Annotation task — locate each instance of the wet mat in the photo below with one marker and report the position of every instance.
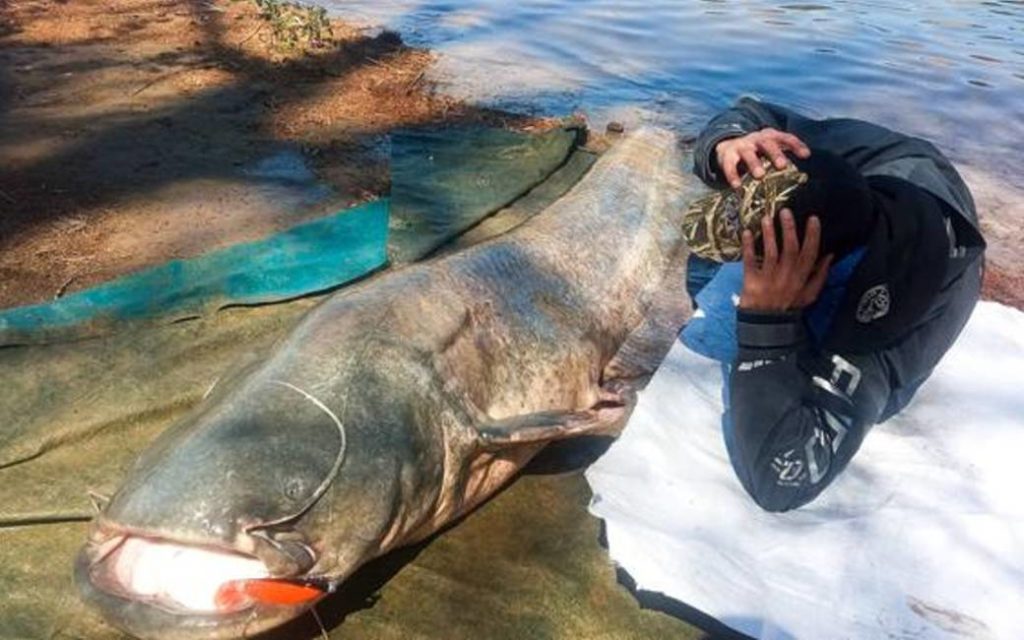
(444, 181)
(74, 416)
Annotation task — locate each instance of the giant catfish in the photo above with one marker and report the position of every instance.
(396, 406)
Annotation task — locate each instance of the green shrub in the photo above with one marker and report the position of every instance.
(295, 24)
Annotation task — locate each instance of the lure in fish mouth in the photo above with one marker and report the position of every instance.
(218, 531)
(153, 587)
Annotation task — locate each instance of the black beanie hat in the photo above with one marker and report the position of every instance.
(840, 196)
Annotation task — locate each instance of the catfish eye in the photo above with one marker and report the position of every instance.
(294, 488)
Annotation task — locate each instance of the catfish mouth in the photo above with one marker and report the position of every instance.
(158, 588)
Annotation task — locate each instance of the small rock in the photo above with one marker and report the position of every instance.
(615, 127)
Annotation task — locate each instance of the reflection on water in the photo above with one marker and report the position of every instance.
(951, 71)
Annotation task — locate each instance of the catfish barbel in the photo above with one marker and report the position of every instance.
(396, 406)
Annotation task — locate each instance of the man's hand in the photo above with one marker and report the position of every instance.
(749, 149)
(788, 281)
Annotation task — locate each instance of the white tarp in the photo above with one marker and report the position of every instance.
(921, 537)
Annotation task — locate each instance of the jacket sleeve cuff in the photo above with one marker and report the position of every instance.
(707, 168)
(768, 335)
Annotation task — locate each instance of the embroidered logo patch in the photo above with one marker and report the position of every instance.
(789, 469)
(874, 304)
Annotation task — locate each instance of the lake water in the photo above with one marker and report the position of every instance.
(950, 71)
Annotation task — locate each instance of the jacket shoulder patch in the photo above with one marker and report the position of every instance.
(874, 304)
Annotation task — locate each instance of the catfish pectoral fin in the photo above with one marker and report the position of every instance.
(546, 426)
(620, 392)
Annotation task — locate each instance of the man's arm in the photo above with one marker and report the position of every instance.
(857, 141)
(745, 117)
(798, 417)
(798, 414)
(795, 420)
(872, 149)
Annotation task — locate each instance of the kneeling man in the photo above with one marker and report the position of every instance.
(861, 262)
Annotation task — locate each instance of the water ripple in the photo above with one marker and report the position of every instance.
(947, 71)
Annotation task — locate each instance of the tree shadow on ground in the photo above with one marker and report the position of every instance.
(113, 155)
(147, 141)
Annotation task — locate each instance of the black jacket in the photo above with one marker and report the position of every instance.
(801, 408)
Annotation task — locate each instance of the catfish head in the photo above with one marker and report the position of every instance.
(246, 513)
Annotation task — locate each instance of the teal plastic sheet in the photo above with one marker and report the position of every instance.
(445, 181)
(307, 258)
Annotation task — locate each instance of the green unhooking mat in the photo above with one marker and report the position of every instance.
(310, 257)
(526, 565)
(444, 181)
(73, 417)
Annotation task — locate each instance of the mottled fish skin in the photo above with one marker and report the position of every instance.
(398, 405)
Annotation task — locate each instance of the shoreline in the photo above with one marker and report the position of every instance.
(155, 130)
(160, 130)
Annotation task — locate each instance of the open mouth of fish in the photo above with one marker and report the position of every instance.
(148, 584)
(191, 579)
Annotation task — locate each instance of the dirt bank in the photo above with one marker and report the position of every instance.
(1001, 209)
(137, 131)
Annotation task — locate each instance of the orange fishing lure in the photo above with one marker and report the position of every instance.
(238, 594)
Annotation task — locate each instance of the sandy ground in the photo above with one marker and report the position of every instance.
(1001, 209)
(137, 131)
